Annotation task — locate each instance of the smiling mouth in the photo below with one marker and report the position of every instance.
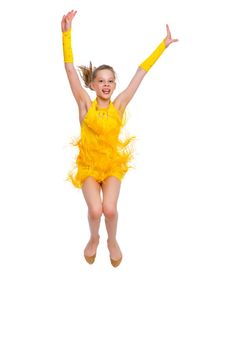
(106, 91)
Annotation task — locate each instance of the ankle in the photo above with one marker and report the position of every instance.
(94, 238)
(112, 241)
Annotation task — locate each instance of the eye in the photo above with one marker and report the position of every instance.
(111, 81)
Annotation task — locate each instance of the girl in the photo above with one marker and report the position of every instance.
(103, 158)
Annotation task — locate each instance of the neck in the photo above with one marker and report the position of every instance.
(102, 103)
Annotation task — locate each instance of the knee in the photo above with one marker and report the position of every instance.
(95, 212)
(109, 211)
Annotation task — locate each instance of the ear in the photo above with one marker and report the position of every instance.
(92, 85)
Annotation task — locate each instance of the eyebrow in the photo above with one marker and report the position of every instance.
(104, 78)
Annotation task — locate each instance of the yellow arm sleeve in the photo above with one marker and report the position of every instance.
(67, 49)
(150, 61)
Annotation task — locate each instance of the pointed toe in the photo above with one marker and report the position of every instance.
(90, 259)
(115, 263)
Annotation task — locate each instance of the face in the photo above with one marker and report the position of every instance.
(104, 84)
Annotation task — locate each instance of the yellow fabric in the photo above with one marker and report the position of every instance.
(150, 61)
(102, 152)
(67, 49)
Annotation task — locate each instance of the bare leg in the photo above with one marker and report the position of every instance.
(111, 189)
(91, 191)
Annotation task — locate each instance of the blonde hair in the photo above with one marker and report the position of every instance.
(88, 73)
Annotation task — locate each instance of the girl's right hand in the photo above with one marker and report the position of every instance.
(66, 20)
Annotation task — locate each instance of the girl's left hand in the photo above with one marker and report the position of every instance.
(168, 40)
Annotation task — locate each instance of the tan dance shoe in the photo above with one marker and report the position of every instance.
(90, 259)
(115, 263)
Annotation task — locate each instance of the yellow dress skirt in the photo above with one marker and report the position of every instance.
(102, 152)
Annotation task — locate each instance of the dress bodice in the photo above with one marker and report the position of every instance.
(102, 121)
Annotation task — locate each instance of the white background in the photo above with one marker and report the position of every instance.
(183, 212)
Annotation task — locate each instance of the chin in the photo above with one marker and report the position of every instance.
(106, 97)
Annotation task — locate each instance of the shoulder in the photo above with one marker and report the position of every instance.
(117, 103)
(83, 109)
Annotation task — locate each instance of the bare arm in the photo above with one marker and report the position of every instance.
(125, 97)
(122, 100)
(81, 96)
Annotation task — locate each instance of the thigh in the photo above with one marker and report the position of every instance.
(111, 189)
(92, 192)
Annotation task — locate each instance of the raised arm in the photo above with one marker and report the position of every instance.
(81, 96)
(125, 97)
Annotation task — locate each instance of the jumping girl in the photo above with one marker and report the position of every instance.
(103, 158)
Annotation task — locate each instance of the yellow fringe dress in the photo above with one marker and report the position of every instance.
(101, 151)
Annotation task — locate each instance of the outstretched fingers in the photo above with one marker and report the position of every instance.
(168, 31)
(169, 39)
